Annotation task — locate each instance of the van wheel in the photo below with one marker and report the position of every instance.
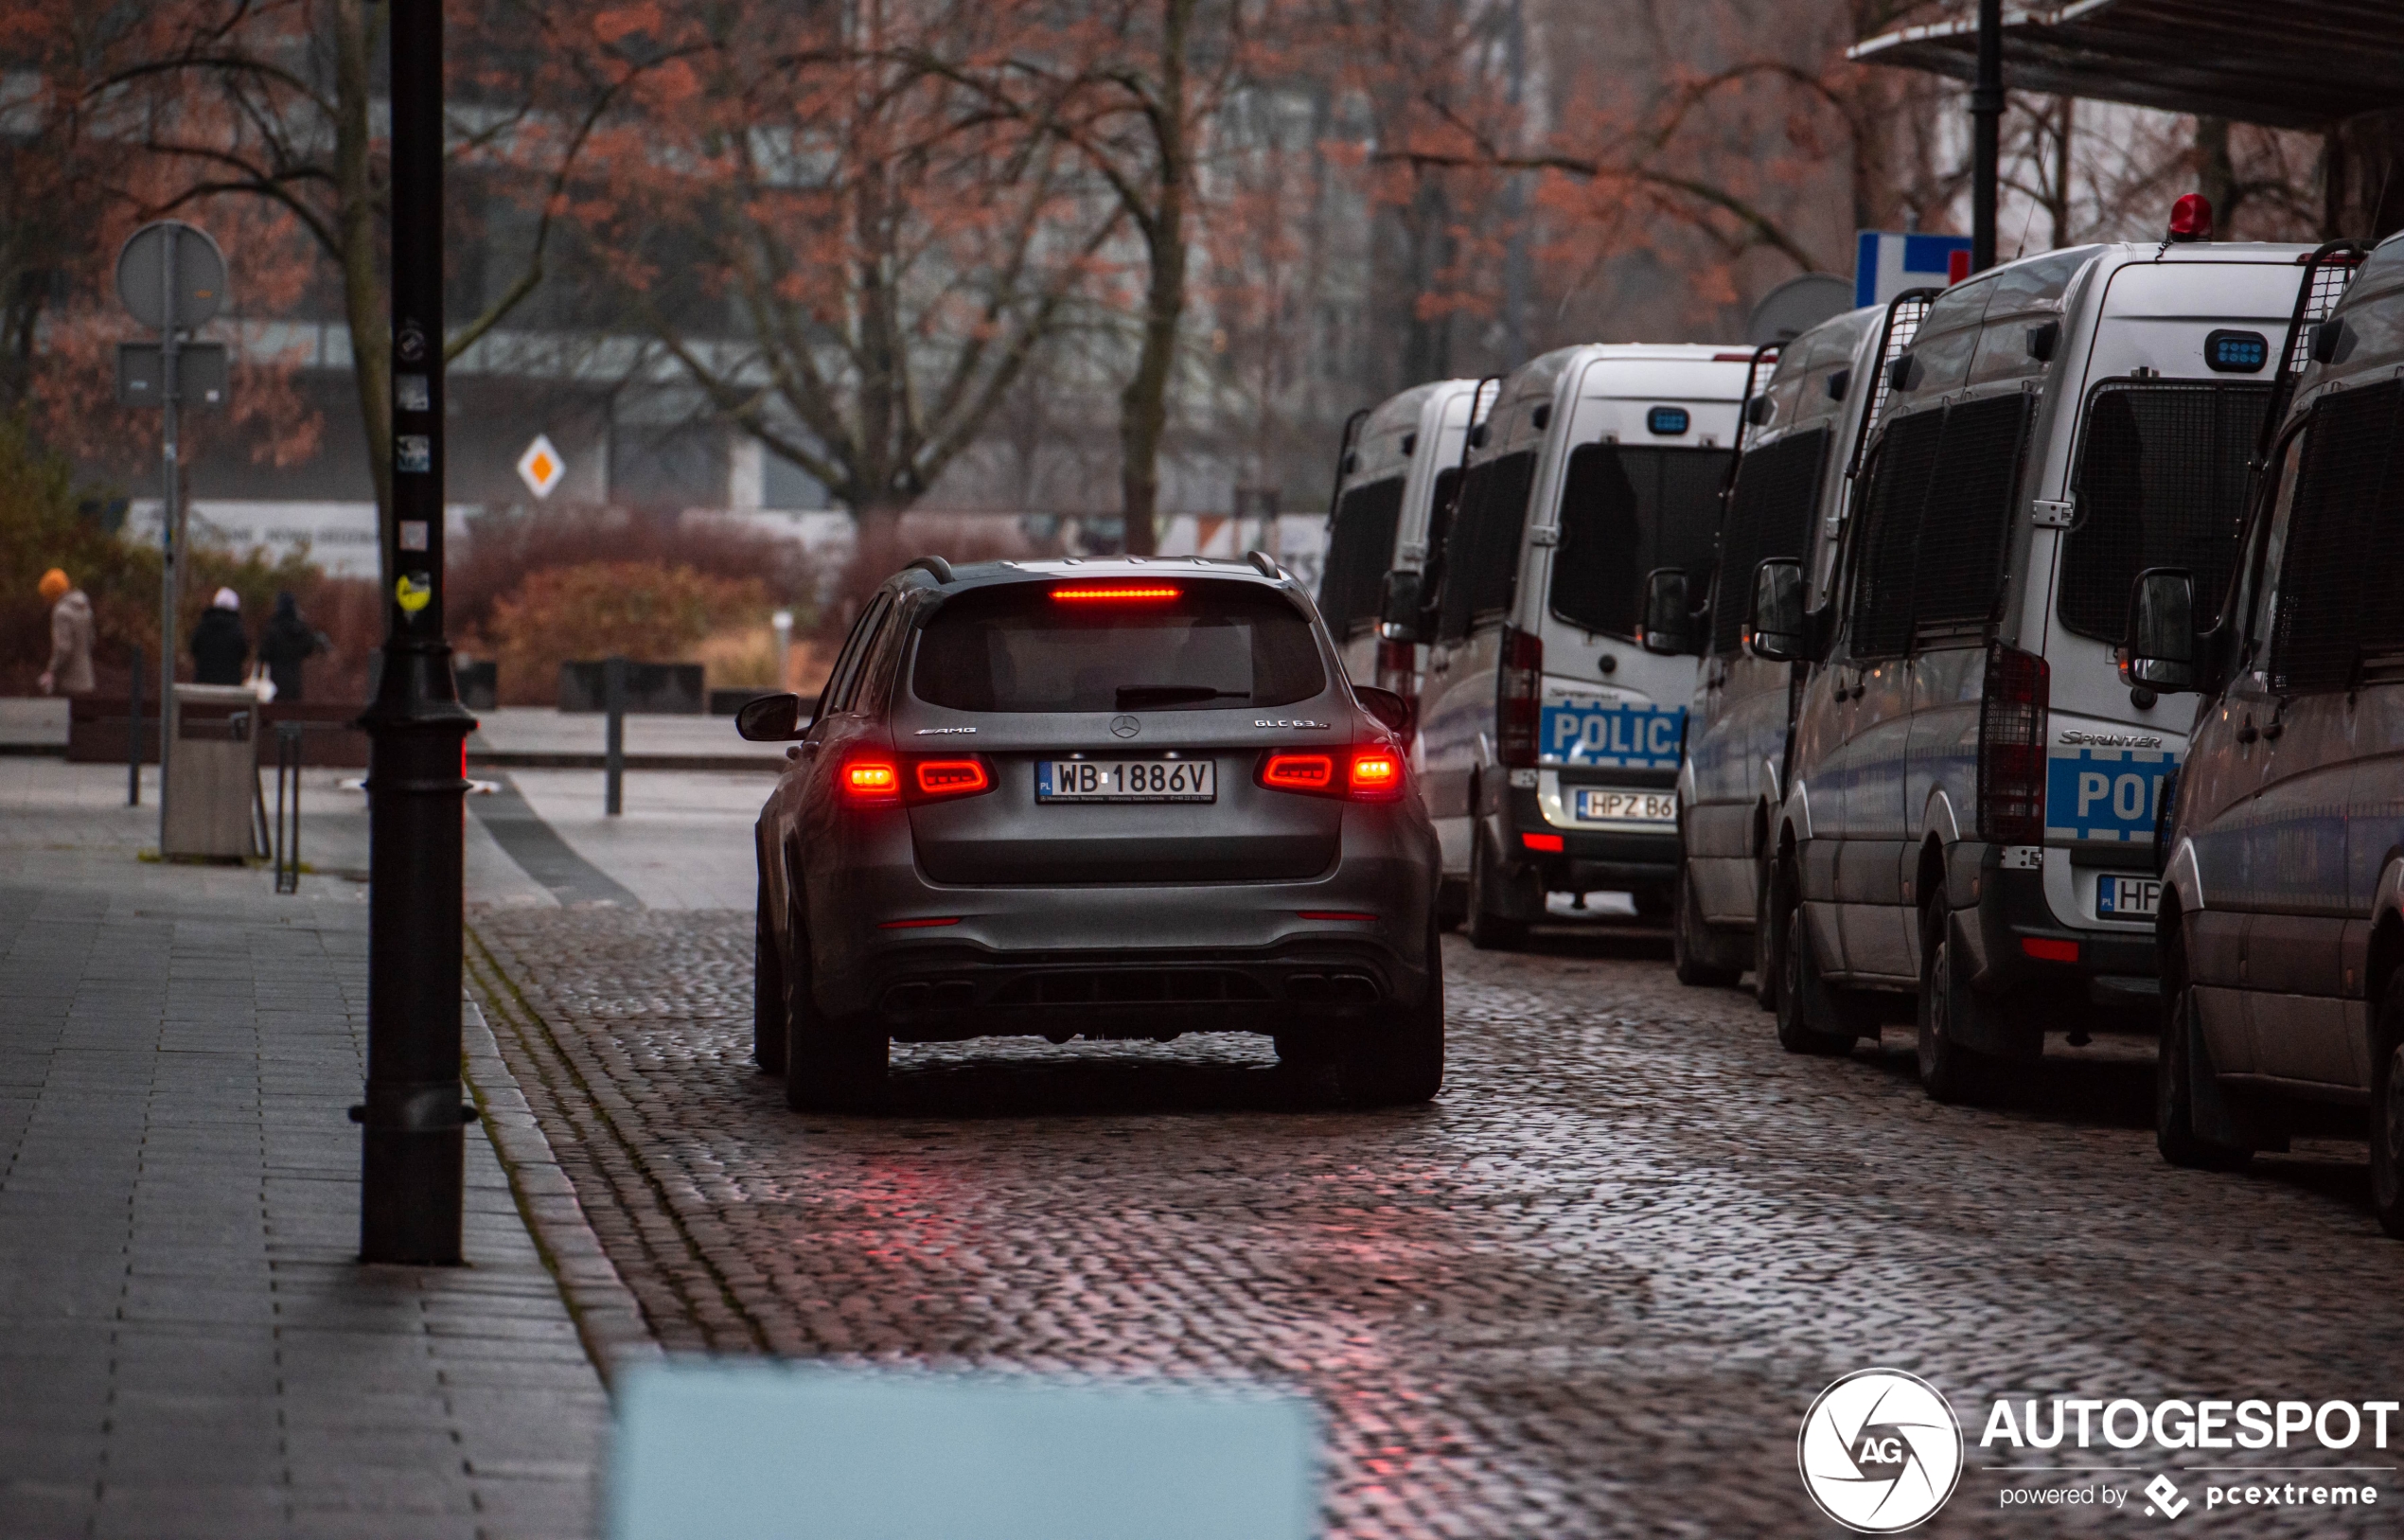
(1948, 1071)
(2387, 1111)
(768, 994)
(1807, 1018)
(1766, 964)
(1488, 930)
(830, 1065)
(1691, 945)
(2174, 1130)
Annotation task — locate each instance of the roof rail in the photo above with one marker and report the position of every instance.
(936, 565)
(1265, 562)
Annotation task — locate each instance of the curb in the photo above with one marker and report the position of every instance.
(607, 1318)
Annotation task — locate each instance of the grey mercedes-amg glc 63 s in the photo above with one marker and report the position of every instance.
(1114, 798)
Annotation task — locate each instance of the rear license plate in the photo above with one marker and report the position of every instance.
(1126, 780)
(1643, 807)
(2128, 898)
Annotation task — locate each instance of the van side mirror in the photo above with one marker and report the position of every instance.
(771, 719)
(1392, 711)
(1776, 629)
(2159, 650)
(1398, 606)
(1668, 627)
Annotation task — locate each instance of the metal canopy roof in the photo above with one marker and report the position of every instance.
(2300, 64)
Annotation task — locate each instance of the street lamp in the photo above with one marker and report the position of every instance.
(783, 621)
(413, 1119)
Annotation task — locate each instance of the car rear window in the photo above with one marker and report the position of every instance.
(2163, 476)
(1624, 512)
(1025, 648)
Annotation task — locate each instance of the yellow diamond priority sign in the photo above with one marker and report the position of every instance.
(542, 466)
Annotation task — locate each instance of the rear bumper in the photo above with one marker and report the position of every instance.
(2003, 912)
(1641, 862)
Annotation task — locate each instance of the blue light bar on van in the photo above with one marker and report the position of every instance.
(1667, 420)
(2236, 352)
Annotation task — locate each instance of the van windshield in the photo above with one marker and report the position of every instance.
(2163, 481)
(1624, 511)
(1213, 646)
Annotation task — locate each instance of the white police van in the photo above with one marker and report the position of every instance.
(1550, 739)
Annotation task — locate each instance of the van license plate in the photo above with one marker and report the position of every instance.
(2128, 898)
(1126, 780)
(1643, 807)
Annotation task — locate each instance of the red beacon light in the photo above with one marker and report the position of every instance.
(2191, 219)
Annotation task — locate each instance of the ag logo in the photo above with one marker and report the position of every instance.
(1880, 1451)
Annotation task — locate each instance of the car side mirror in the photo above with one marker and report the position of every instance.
(1668, 618)
(1398, 606)
(1389, 709)
(771, 718)
(1776, 629)
(2159, 650)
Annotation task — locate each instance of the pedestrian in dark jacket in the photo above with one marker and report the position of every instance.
(288, 641)
(219, 647)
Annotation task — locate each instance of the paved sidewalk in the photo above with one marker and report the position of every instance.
(190, 1348)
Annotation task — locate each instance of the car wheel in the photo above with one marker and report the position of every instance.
(830, 1065)
(1766, 964)
(1807, 1019)
(1400, 1061)
(2387, 1111)
(1949, 1072)
(767, 993)
(2174, 1130)
(1488, 930)
(1690, 943)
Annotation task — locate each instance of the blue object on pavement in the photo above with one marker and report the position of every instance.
(770, 1451)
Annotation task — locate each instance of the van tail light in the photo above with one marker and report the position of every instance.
(2011, 747)
(870, 780)
(1373, 773)
(936, 778)
(1519, 696)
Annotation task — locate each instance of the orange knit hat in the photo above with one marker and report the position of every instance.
(54, 583)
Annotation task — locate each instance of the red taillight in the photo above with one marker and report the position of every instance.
(2050, 952)
(2191, 218)
(931, 778)
(2011, 747)
(1519, 696)
(1368, 774)
(1376, 775)
(1298, 772)
(1117, 593)
(870, 780)
(1542, 841)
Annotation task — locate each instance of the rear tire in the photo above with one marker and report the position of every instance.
(1766, 964)
(2174, 1128)
(1948, 1071)
(767, 995)
(1488, 930)
(1807, 1018)
(2387, 1111)
(830, 1065)
(1692, 944)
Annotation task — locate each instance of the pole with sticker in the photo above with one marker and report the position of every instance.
(414, 1116)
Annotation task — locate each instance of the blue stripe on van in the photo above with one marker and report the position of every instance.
(1627, 734)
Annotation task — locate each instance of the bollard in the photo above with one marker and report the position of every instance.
(613, 701)
(134, 736)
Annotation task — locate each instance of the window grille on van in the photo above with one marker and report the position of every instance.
(1625, 511)
(1936, 512)
(2326, 273)
(2163, 478)
(1905, 314)
(1359, 554)
(2338, 602)
(1482, 551)
(1769, 515)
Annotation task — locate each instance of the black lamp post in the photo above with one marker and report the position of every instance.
(410, 1176)
(1986, 134)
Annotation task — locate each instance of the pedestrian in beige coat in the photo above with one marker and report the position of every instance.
(70, 669)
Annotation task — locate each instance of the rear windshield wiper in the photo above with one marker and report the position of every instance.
(1173, 695)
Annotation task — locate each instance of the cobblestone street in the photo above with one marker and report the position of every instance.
(1590, 1291)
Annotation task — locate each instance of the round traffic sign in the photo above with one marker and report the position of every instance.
(197, 287)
